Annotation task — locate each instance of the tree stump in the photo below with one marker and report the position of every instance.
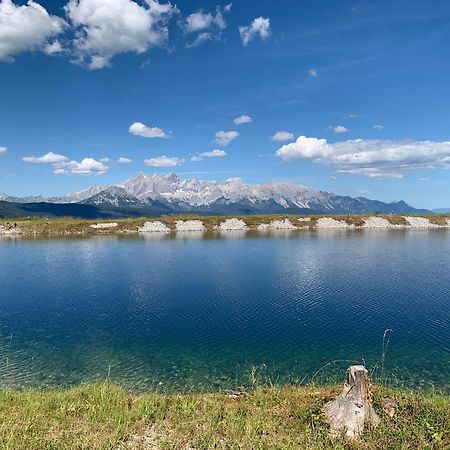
(352, 408)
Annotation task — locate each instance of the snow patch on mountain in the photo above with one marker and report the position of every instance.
(172, 194)
(203, 193)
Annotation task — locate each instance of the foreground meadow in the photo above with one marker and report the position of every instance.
(106, 417)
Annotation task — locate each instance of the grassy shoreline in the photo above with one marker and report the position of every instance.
(105, 416)
(66, 226)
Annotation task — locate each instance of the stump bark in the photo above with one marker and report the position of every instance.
(352, 408)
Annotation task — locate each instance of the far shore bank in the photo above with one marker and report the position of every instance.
(66, 226)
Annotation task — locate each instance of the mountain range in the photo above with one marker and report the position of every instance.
(153, 195)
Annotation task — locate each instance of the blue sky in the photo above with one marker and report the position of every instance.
(359, 89)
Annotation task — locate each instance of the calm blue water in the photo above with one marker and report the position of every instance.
(196, 314)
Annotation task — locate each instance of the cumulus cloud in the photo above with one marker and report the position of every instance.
(48, 158)
(163, 161)
(241, 120)
(225, 137)
(63, 166)
(338, 129)
(260, 27)
(208, 25)
(3, 150)
(373, 158)
(123, 160)
(27, 28)
(212, 154)
(139, 129)
(378, 127)
(280, 136)
(54, 48)
(105, 28)
(87, 166)
(201, 39)
(312, 73)
(200, 20)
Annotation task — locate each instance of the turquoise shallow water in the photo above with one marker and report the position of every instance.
(196, 314)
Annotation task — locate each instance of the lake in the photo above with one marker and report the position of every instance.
(193, 313)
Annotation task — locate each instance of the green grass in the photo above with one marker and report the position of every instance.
(67, 226)
(106, 417)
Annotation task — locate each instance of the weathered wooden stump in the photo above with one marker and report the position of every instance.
(352, 408)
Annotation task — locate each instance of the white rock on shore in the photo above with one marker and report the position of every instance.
(377, 222)
(285, 224)
(329, 223)
(8, 232)
(420, 222)
(233, 225)
(104, 226)
(154, 227)
(190, 225)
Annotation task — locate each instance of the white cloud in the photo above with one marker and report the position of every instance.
(280, 136)
(312, 73)
(378, 127)
(424, 179)
(201, 39)
(373, 158)
(338, 129)
(87, 166)
(53, 49)
(26, 28)
(242, 120)
(200, 20)
(63, 166)
(163, 161)
(3, 150)
(260, 27)
(371, 172)
(105, 28)
(225, 137)
(208, 25)
(48, 158)
(123, 160)
(139, 129)
(212, 154)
